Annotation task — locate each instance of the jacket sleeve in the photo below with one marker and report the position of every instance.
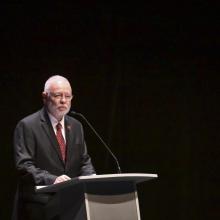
(24, 153)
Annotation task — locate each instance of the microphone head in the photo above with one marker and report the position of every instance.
(73, 112)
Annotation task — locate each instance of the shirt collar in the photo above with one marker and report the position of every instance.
(54, 121)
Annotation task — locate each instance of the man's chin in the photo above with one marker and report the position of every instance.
(62, 113)
(59, 114)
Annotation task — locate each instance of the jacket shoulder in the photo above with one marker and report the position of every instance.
(32, 118)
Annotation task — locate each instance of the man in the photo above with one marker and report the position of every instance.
(49, 148)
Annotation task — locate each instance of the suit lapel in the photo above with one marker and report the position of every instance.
(69, 139)
(46, 124)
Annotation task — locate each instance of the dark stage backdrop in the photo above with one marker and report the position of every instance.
(145, 77)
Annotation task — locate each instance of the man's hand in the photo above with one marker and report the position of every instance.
(61, 178)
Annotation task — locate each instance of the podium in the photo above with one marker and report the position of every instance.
(96, 197)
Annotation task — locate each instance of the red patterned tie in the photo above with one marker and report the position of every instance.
(61, 141)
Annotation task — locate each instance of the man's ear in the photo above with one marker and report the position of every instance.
(44, 96)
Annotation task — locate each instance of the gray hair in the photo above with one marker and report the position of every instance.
(52, 79)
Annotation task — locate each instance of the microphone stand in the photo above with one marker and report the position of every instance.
(99, 137)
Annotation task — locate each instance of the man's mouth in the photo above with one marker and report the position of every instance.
(62, 108)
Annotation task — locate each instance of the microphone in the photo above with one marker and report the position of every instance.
(99, 137)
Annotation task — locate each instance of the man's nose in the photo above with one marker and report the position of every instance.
(63, 98)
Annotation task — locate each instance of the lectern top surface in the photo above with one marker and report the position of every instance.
(132, 177)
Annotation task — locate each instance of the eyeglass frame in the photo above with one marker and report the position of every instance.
(59, 96)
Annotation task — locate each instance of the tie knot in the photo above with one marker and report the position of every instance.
(58, 126)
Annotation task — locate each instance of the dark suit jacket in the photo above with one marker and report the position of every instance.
(37, 154)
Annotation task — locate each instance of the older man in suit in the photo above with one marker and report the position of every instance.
(49, 148)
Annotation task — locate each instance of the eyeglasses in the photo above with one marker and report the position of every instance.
(59, 96)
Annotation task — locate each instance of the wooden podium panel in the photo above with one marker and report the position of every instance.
(112, 201)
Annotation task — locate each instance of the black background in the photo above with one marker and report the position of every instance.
(145, 75)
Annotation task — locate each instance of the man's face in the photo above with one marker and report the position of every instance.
(58, 99)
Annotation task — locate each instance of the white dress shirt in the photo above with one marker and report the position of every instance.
(54, 123)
